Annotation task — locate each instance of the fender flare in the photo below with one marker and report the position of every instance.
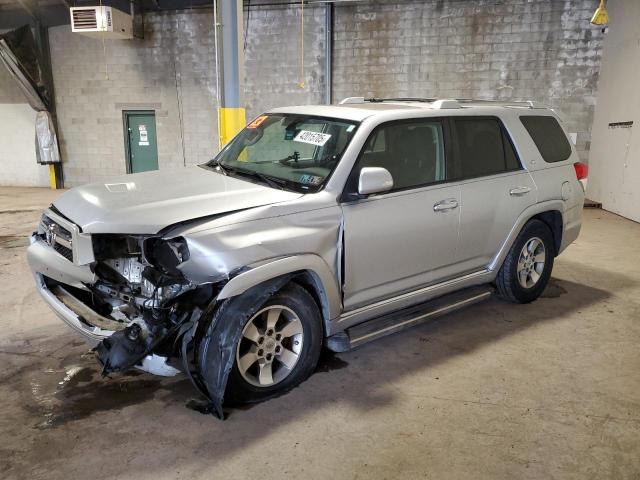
(524, 217)
(324, 279)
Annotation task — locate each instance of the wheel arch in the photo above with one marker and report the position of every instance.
(553, 220)
(549, 212)
(308, 270)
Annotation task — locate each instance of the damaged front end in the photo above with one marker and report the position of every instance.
(140, 286)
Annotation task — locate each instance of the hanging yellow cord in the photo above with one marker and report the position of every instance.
(301, 84)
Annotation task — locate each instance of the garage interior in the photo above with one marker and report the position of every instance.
(545, 390)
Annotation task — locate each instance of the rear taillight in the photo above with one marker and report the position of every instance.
(582, 170)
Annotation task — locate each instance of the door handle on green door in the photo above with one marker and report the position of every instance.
(443, 205)
(519, 191)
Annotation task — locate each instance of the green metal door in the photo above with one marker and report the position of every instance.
(142, 147)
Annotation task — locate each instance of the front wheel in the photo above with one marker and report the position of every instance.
(526, 270)
(279, 347)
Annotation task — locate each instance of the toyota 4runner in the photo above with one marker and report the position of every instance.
(315, 225)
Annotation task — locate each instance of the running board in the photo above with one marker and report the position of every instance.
(396, 321)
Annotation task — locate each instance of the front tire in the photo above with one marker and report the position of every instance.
(527, 268)
(278, 349)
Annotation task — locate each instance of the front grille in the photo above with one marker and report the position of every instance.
(64, 251)
(57, 237)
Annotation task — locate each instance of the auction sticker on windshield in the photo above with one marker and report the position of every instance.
(314, 138)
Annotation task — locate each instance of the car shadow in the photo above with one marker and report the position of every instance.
(353, 378)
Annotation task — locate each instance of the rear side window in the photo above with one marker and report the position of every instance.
(548, 136)
(483, 148)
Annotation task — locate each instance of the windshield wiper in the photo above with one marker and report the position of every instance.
(272, 182)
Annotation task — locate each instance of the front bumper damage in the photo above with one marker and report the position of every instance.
(91, 325)
(135, 313)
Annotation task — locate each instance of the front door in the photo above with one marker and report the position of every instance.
(397, 241)
(140, 135)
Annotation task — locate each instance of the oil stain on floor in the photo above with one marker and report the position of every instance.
(54, 391)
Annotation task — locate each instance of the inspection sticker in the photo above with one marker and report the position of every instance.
(257, 121)
(314, 138)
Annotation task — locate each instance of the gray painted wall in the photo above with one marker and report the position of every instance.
(9, 90)
(543, 50)
(17, 138)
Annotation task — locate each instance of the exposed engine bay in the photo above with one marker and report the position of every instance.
(140, 286)
(140, 295)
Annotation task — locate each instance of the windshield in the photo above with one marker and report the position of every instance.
(296, 152)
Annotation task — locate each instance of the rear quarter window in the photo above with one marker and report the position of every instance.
(548, 136)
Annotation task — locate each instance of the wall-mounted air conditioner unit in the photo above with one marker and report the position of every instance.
(107, 22)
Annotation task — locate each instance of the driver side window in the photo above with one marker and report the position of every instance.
(412, 151)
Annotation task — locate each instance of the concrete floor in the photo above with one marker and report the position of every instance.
(546, 390)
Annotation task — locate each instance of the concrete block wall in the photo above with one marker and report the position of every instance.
(170, 71)
(510, 49)
(543, 50)
(273, 57)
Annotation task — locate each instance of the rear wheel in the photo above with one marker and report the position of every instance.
(526, 270)
(279, 347)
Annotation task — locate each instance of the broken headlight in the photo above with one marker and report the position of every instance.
(167, 255)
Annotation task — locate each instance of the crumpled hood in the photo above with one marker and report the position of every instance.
(145, 203)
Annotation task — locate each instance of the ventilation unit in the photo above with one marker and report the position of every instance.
(101, 22)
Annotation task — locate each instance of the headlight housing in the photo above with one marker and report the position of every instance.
(166, 255)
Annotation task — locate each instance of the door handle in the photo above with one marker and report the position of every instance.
(519, 191)
(443, 205)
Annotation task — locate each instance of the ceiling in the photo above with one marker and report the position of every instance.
(15, 13)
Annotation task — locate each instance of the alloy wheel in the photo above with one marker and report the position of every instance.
(270, 346)
(531, 262)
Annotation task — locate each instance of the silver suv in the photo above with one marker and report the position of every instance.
(315, 225)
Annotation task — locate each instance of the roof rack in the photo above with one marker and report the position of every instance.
(448, 103)
(504, 103)
(381, 100)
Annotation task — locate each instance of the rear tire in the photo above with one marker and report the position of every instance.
(527, 268)
(279, 348)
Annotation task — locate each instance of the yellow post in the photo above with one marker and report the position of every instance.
(53, 181)
(232, 120)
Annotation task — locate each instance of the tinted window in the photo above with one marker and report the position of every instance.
(483, 148)
(413, 152)
(548, 136)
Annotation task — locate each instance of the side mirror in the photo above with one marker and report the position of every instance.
(374, 180)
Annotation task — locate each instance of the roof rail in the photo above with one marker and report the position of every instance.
(449, 103)
(445, 104)
(504, 103)
(351, 100)
(381, 100)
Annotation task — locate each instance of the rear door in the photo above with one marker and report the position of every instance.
(495, 189)
(402, 239)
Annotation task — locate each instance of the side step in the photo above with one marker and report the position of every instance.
(396, 321)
